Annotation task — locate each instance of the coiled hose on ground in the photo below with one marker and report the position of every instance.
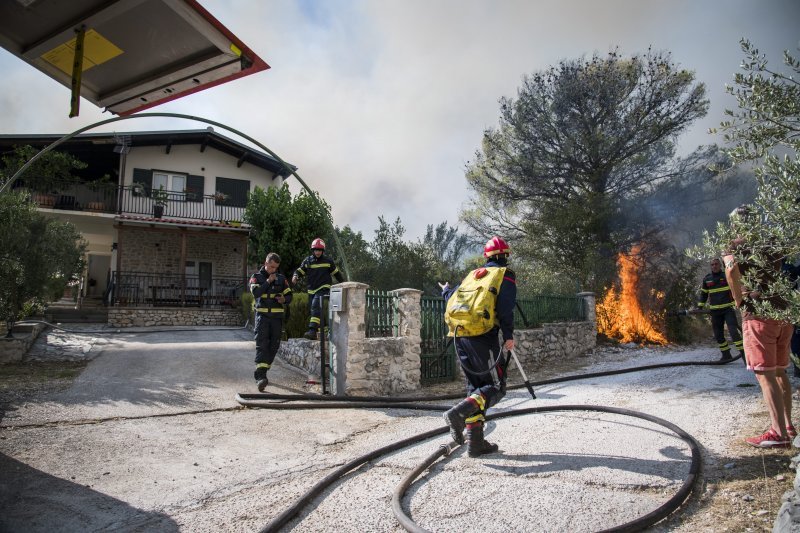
(316, 401)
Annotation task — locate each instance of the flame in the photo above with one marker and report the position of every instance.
(619, 315)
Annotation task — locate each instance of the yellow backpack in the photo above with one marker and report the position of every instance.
(471, 308)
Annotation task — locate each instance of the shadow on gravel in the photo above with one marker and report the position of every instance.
(33, 501)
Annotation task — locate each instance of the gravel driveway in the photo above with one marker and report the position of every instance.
(150, 438)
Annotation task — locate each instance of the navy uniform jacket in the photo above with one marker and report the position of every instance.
(265, 292)
(714, 293)
(318, 272)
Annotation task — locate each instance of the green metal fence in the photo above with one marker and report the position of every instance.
(541, 309)
(438, 360)
(381, 315)
(437, 363)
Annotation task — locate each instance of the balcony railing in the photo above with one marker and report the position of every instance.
(147, 289)
(115, 199)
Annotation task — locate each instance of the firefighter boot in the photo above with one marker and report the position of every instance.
(477, 445)
(261, 378)
(311, 335)
(726, 356)
(456, 416)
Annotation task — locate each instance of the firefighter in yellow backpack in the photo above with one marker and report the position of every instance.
(477, 311)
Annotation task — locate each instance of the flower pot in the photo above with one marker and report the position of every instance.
(158, 210)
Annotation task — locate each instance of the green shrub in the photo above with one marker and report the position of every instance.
(247, 307)
(297, 323)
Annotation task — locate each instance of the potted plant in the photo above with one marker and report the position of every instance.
(220, 197)
(137, 188)
(160, 199)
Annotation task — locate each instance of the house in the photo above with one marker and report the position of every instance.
(162, 213)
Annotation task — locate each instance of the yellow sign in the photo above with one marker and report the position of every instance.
(96, 51)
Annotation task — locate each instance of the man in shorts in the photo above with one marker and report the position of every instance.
(766, 343)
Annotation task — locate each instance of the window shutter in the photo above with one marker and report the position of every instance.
(145, 177)
(194, 188)
(235, 190)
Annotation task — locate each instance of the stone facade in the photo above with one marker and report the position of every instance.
(124, 317)
(148, 250)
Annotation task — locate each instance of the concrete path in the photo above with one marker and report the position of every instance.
(150, 438)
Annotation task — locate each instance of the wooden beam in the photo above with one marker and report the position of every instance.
(240, 162)
(168, 147)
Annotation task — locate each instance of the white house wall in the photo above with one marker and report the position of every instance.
(188, 159)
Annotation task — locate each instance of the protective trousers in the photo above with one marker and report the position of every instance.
(267, 334)
(477, 356)
(718, 322)
(315, 308)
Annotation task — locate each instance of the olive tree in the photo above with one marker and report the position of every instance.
(39, 255)
(764, 132)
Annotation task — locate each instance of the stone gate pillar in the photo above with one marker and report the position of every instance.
(589, 306)
(348, 327)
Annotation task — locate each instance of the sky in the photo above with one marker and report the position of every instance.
(382, 103)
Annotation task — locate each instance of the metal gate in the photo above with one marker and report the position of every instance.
(437, 364)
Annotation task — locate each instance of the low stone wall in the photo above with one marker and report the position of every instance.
(383, 366)
(789, 514)
(124, 317)
(535, 346)
(302, 353)
(13, 350)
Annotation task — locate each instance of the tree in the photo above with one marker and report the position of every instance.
(45, 173)
(443, 249)
(397, 264)
(580, 140)
(39, 255)
(286, 225)
(765, 131)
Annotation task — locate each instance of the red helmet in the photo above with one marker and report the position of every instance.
(318, 244)
(496, 246)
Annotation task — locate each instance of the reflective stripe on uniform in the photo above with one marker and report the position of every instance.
(320, 265)
(475, 418)
(721, 306)
(269, 309)
(480, 400)
(319, 288)
(718, 289)
(313, 320)
(263, 365)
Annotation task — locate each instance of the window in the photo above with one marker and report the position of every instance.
(174, 183)
(235, 191)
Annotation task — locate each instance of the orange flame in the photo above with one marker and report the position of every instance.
(620, 316)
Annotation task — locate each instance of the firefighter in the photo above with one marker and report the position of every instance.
(271, 291)
(318, 268)
(715, 295)
(481, 359)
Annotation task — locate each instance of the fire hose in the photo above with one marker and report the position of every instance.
(311, 401)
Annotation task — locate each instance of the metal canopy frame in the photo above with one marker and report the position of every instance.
(136, 54)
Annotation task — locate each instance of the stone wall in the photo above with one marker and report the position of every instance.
(123, 317)
(14, 349)
(385, 366)
(147, 250)
(552, 341)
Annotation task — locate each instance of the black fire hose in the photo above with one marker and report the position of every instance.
(636, 525)
(268, 399)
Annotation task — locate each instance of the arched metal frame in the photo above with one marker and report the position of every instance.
(286, 166)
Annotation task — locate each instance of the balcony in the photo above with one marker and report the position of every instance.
(135, 201)
(146, 289)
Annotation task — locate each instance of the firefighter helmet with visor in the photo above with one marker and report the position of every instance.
(318, 244)
(496, 246)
